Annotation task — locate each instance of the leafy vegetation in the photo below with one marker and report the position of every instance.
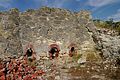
(109, 24)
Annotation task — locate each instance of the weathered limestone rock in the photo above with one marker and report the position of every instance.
(108, 43)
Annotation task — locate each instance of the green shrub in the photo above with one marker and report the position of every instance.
(110, 24)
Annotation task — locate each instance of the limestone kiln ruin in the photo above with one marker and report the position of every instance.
(44, 27)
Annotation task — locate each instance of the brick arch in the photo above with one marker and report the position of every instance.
(72, 49)
(29, 51)
(54, 50)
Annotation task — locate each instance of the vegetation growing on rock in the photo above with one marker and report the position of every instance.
(109, 24)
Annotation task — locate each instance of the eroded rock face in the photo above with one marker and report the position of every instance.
(47, 26)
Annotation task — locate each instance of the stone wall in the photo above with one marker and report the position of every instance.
(46, 26)
(10, 42)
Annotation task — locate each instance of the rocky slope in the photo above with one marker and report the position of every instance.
(108, 42)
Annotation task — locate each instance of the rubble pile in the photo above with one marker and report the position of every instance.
(108, 42)
(19, 68)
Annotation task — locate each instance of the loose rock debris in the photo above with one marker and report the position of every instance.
(56, 68)
(22, 68)
(19, 69)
